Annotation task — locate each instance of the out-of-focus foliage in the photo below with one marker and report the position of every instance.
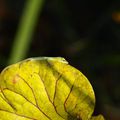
(85, 32)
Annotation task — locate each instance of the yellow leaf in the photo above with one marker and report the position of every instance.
(99, 117)
(45, 88)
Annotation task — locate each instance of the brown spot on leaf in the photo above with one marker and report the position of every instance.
(15, 79)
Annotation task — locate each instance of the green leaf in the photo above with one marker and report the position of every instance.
(45, 89)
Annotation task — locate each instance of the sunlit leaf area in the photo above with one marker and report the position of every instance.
(45, 88)
(84, 32)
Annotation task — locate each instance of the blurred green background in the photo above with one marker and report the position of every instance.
(85, 32)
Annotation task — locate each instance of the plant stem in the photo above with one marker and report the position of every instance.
(25, 30)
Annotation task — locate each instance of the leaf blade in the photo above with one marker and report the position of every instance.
(48, 89)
